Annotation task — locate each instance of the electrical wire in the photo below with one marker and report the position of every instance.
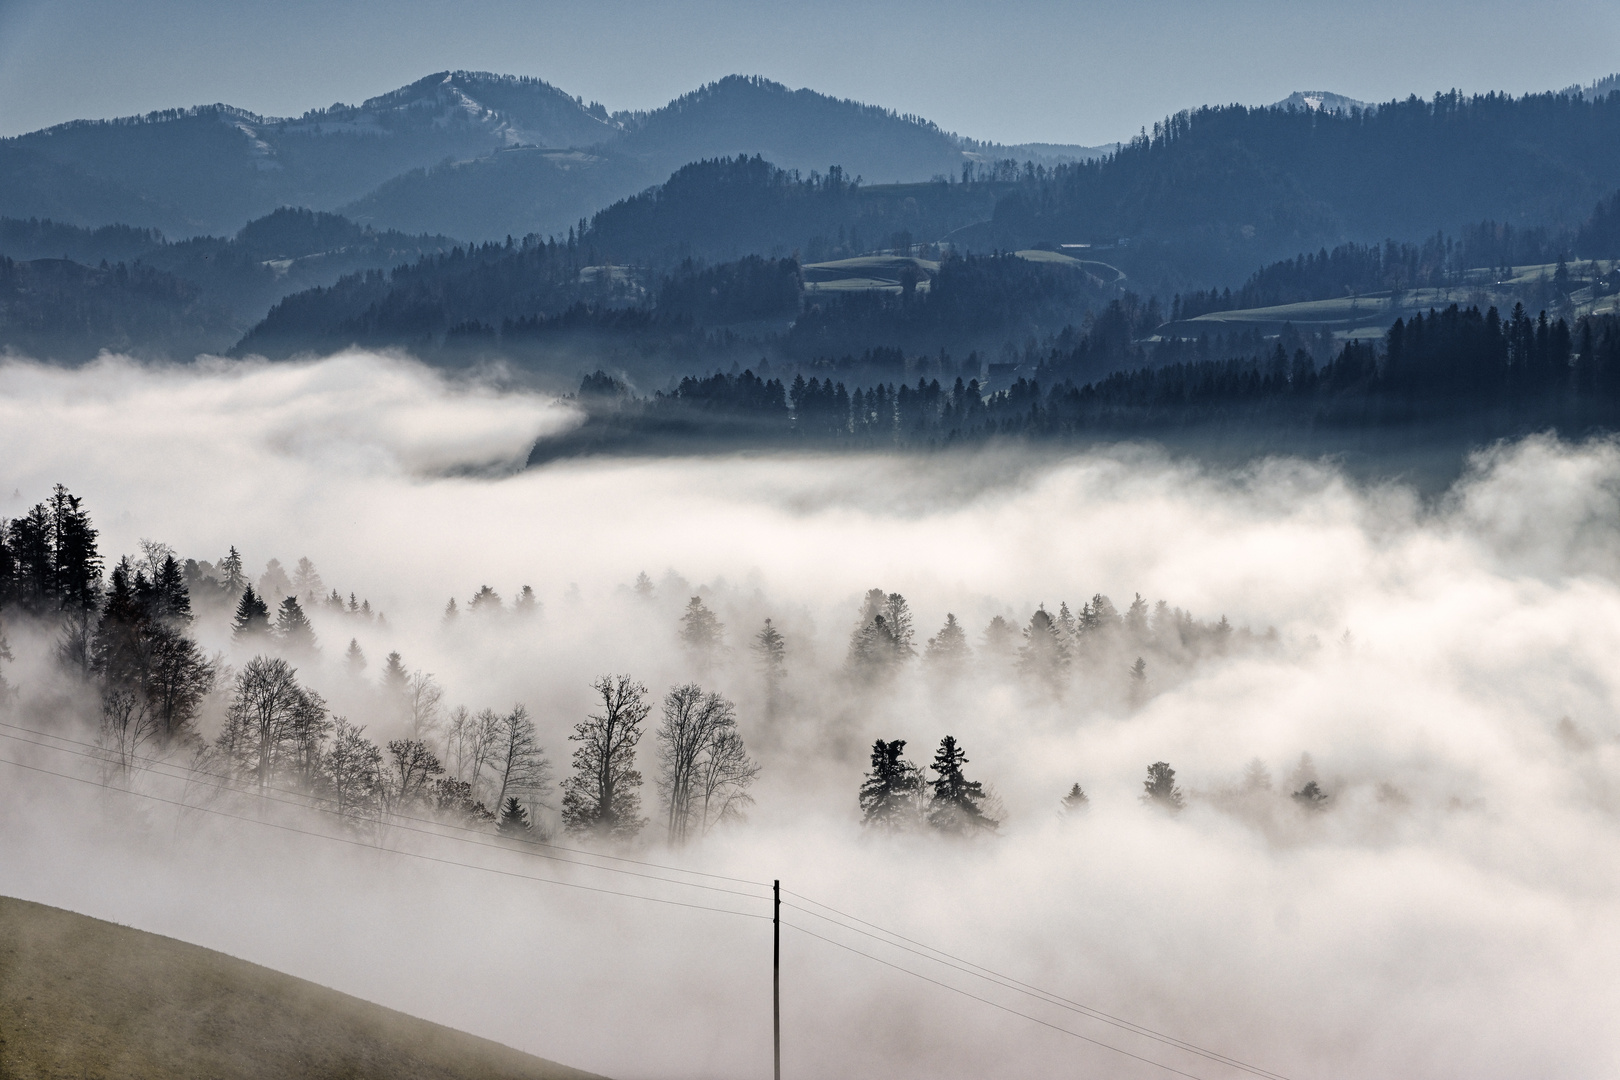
(355, 842)
(185, 772)
(995, 1004)
(957, 963)
(922, 950)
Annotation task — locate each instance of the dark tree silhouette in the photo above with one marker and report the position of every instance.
(514, 819)
(602, 797)
(1159, 789)
(956, 803)
(252, 622)
(889, 794)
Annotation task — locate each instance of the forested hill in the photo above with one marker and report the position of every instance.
(72, 292)
(1267, 182)
(1453, 378)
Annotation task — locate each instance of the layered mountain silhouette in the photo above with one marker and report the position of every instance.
(469, 154)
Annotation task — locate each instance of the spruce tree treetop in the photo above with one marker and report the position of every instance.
(252, 619)
(514, 818)
(889, 794)
(293, 628)
(1159, 789)
(956, 805)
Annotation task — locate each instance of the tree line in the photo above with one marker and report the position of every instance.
(1502, 374)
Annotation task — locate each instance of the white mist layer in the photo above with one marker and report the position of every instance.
(1453, 911)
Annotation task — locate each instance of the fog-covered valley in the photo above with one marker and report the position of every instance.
(1440, 668)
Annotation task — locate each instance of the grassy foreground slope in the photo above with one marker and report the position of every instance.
(82, 998)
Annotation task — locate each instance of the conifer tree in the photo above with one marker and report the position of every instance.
(526, 605)
(395, 679)
(701, 631)
(1076, 800)
(1044, 654)
(949, 647)
(514, 819)
(306, 581)
(1159, 789)
(890, 792)
(770, 647)
(354, 660)
(956, 803)
(252, 622)
(297, 636)
(450, 612)
(232, 579)
(171, 598)
(486, 601)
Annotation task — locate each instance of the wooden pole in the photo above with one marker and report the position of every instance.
(776, 972)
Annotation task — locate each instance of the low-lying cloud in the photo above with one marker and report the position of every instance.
(1447, 665)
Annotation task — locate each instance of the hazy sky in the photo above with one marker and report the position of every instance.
(1018, 70)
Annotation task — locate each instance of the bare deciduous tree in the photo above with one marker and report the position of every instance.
(517, 760)
(603, 794)
(703, 769)
(270, 719)
(353, 772)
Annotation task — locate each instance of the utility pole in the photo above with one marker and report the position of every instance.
(776, 972)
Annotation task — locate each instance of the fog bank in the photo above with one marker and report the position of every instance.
(1447, 665)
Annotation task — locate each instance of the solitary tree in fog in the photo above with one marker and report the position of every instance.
(354, 660)
(395, 679)
(1138, 681)
(486, 601)
(514, 820)
(948, 648)
(955, 804)
(525, 605)
(1311, 796)
(1000, 637)
(1076, 800)
(252, 621)
(1159, 789)
(770, 647)
(423, 697)
(701, 631)
(293, 629)
(1044, 654)
(517, 759)
(703, 770)
(603, 794)
(890, 791)
(306, 582)
(232, 579)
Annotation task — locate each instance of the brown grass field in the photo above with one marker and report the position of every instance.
(83, 999)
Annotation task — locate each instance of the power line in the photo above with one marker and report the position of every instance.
(301, 800)
(353, 842)
(956, 963)
(1008, 982)
(994, 1004)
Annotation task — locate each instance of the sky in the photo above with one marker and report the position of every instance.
(1021, 70)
